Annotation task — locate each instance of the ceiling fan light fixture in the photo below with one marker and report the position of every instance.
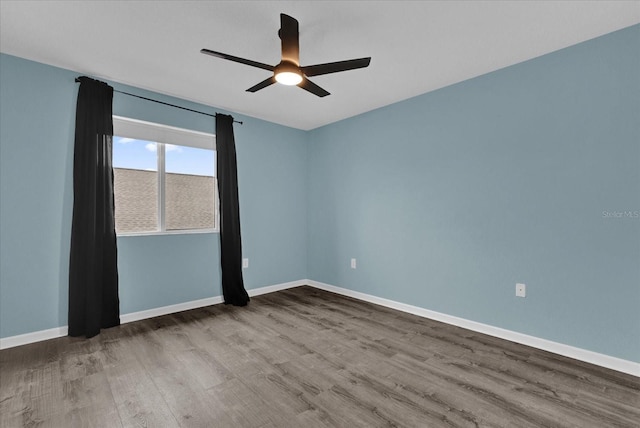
(288, 78)
(288, 73)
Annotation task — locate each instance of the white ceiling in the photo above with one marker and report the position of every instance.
(415, 46)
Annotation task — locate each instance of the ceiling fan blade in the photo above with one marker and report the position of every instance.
(267, 82)
(334, 67)
(289, 34)
(238, 59)
(308, 85)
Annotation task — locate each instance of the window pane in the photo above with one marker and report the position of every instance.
(135, 185)
(189, 188)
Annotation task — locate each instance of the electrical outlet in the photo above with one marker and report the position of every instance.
(353, 263)
(245, 263)
(521, 290)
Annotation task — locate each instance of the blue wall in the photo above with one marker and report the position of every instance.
(450, 198)
(446, 200)
(37, 107)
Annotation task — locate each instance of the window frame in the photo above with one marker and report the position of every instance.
(161, 135)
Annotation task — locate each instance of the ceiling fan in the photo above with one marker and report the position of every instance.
(289, 71)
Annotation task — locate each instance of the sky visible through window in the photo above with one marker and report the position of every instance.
(140, 154)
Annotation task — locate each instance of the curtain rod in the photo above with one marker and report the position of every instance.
(167, 104)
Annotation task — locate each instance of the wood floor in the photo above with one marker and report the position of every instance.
(304, 358)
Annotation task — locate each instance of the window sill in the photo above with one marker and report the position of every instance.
(169, 232)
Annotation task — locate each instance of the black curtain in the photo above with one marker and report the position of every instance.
(230, 242)
(93, 269)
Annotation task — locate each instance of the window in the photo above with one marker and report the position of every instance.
(164, 179)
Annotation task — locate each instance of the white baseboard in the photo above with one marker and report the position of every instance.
(602, 360)
(36, 336)
(171, 309)
(52, 333)
(278, 287)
